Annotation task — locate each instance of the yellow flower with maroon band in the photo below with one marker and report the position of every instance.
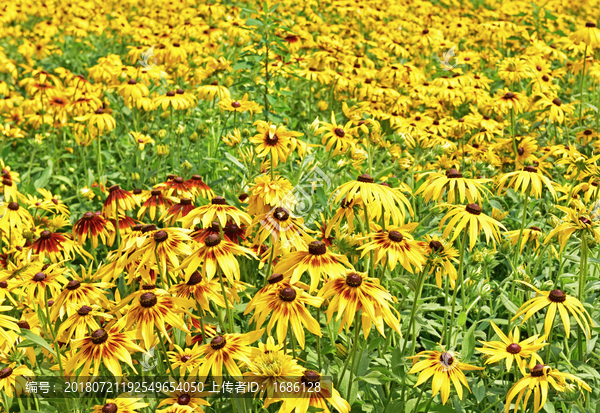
(286, 231)
(227, 350)
(441, 257)
(199, 188)
(201, 290)
(154, 309)
(182, 401)
(458, 187)
(12, 378)
(396, 245)
(81, 322)
(185, 358)
(512, 349)
(267, 193)
(177, 211)
(106, 346)
(243, 105)
(118, 200)
(287, 307)
(317, 261)
(215, 254)
(471, 219)
(39, 280)
(273, 140)
(155, 202)
(354, 292)
(52, 245)
(92, 225)
(445, 369)
(537, 382)
(556, 300)
(313, 392)
(79, 289)
(378, 200)
(125, 403)
(217, 210)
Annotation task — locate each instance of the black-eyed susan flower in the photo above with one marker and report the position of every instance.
(530, 235)
(338, 137)
(199, 188)
(185, 399)
(556, 301)
(171, 100)
(272, 140)
(118, 200)
(94, 226)
(124, 403)
(575, 221)
(9, 322)
(242, 105)
(227, 350)
(13, 217)
(11, 378)
(471, 219)
(39, 281)
(79, 289)
(100, 121)
(458, 187)
(355, 292)
(286, 231)
(266, 193)
(141, 140)
(317, 261)
(200, 290)
(186, 359)
(313, 392)
(218, 210)
(287, 307)
(589, 34)
(81, 321)
(512, 349)
(446, 370)
(396, 245)
(538, 382)
(440, 258)
(106, 346)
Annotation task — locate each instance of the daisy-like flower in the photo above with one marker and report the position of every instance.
(242, 105)
(201, 290)
(340, 136)
(132, 90)
(313, 392)
(396, 245)
(287, 307)
(458, 187)
(556, 300)
(590, 35)
(39, 280)
(287, 231)
(511, 349)
(106, 346)
(13, 217)
(78, 290)
(81, 321)
(529, 178)
(215, 254)
(50, 244)
(531, 234)
(155, 202)
(575, 220)
(118, 200)
(507, 101)
(141, 140)
(217, 210)
(538, 381)
(99, 122)
(355, 292)
(171, 99)
(124, 403)
(92, 225)
(199, 188)
(274, 140)
(154, 309)
(588, 135)
(266, 193)
(185, 402)
(345, 212)
(445, 369)
(271, 369)
(225, 350)
(11, 378)
(175, 186)
(317, 261)
(441, 257)
(186, 359)
(9, 322)
(470, 218)
(377, 199)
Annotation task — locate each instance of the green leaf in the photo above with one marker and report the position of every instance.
(45, 177)
(235, 161)
(462, 318)
(254, 22)
(479, 391)
(468, 343)
(37, 340)
(549, 407)
(510, 306)
(458, 405)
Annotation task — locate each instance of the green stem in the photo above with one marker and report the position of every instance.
(162, 346)
(229, 315)
(582, 85)
(354, 351)
(458, 284)
(413, 311)
(368, 230)
(518, 249)
(513, 132)
(583, 269)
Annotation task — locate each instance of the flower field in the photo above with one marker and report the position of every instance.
(309, 206)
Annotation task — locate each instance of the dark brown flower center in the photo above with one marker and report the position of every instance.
(236, 104)
(509, 95)
(155, 192)
(170, 93)
(148, 300)
(218, 342)
(99, 336)
(587, 132)
(99, 111)
(275, 278)
(395, 236)
(446, 359)
(513, 348)
(40, 276)
(557, 101)
(339, 132)
(534, 228)
(73, 285)
(109, 408)
(185, 201)
(425, 31)
(23, 325)
(114, 188)
(185, 358)
(474, 209)
(13, 206)
(212, 240)
(436, 246)
(218, 200)
(161, 236)
(317, 248)
(88, 215)
(287, 294)
(310, 376)
(148, 228)
(137, 191)
(183, 399)
(585, 221)
(520, 151)
(271, 140)
(590, 25)
(3, 284)
(281, 214)
(45, 234)
(365, 178)
(530, 168)
(180, 91)
(5, 372)
(195, 278)
(84, 310)
(537, 370)
(243, 197)
(131, 82)
(557, 296)
(453, 173)
(354, 280)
